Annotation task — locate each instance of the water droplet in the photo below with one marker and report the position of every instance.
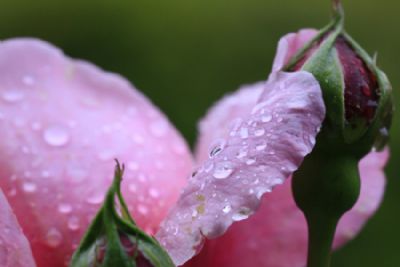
(56, 135)
(132, 188)
(227, 208)
(159, 128)
(217, 147)
(250, 161)
(244, 133)
(64, 208)
(311, 138)
(133, 166)
(142, 209)
(53, 238)
(266, 118)
(28, 80)
(223, 170)
(242, 214)
(13, 95)
(73, 223)
(279, 119)
(29, 187)
(259, 132)
(261, 146)
(95, 199)
(241, 153)
(154, 193)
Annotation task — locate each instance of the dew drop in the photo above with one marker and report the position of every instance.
(154, 193)
(280, 119)
(261, 146)
(64, 208)
(216, 148)
(227, 208)
(29, 187)
(142, 209)
(250, 161)
(13, 95)
(159, 128)
(259, 132)
(266, 118)
(28, 80)
(223, 170)
(56, 135)
(73, 223)
(241, 153)
(244, 133)
(95, 199)
(53, 238)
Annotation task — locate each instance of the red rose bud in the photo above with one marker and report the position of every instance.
(114, 239)
(357, 93)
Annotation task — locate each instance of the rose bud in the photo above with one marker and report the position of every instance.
(357, 93)
(114, 239)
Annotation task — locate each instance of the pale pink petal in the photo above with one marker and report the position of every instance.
(288, 46)
(262, 150)
(14, 247)
(62, 123)
(276, 236)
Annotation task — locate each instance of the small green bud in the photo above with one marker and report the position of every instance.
(357, 94)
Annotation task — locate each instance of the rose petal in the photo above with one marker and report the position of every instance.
(62, 124)
(276, 236)
(288, 46)
(262, 150)
(14, 247)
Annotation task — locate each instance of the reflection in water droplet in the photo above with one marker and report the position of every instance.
(223, 170)
(13, 95)
(241, 153)
(56, 135)
(53, 238)
(29, 187)
(261, 146)
(217, 147)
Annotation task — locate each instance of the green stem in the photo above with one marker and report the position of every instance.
(325, 187)
(320, 238)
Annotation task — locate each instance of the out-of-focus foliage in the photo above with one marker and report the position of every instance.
(185, 55)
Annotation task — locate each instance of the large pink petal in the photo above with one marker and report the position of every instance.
(263, 148)
(62, 123)
(290, 44)
(276, 235)
(14, 247)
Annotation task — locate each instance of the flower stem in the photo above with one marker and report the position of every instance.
(320, 238)
(325, 187)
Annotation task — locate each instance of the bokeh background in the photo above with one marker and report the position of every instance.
(185, 55)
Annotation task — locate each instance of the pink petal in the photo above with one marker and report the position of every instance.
(262, 150)
(63, 122)
(276, 235)
(288, 46)
(14, 247)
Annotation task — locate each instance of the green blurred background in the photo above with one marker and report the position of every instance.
(185, 55)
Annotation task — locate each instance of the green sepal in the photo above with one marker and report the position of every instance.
(105, 234)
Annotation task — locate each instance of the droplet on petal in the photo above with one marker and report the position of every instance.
(223, 170)
(53, 238)
(56, 135)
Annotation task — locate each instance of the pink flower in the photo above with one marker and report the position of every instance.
(64, 121)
